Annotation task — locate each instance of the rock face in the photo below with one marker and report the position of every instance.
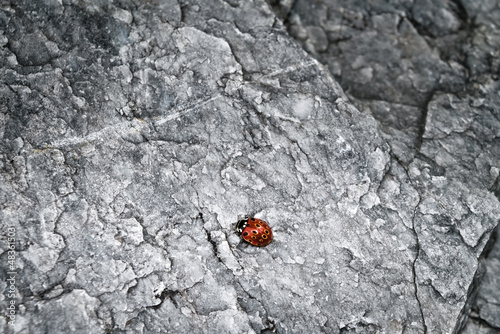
(134, 134)
(484, 316)
(428, 72)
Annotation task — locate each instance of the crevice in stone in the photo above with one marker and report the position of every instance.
(495, 187)
(414, 271)
(488, 245)
(43, 295)
(271, 323)
(484, 323)
(459, 9)
(233, 4)
(281, 10)
(182, 9)
(212, 242)
(423, 122)
(166, 293)
(476, 283)
(435, 169)
(245, 74)
(422, 30)
(214, 246)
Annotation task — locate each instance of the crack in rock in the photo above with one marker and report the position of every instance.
(414, 271)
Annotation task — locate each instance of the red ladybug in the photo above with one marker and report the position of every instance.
(254, 231)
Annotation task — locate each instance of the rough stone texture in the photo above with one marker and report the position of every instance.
(428, 72)
(484, 317)
(134, 133)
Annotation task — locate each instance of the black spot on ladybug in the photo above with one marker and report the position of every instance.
(246, 233)
(264, 236)
(252, 219)
(266, 231)
(257, 225)
(253, 237)
(254, 232)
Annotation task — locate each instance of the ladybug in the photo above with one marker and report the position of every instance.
(254, 231)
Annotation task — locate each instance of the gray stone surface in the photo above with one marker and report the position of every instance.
(134, 133)
(484, 317)
(428, 72)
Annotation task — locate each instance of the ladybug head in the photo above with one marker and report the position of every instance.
(241, 224)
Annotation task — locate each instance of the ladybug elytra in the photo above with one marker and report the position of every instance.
(254, 231)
